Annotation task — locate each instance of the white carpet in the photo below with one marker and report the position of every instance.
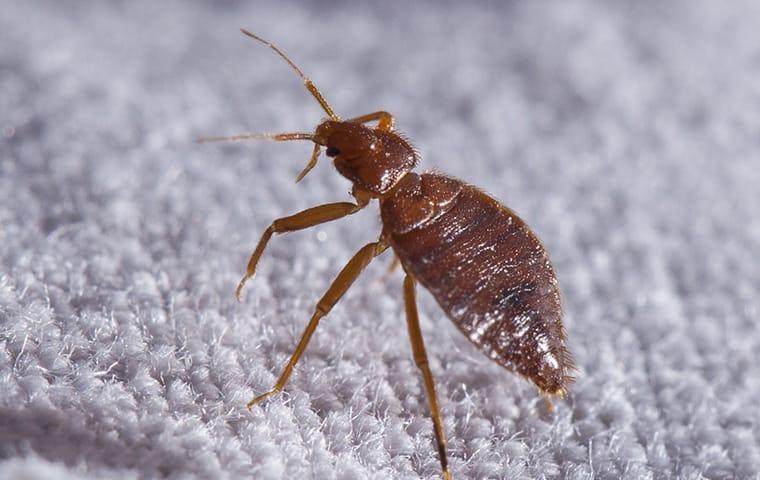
(625, 133)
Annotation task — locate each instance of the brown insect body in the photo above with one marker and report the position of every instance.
(487, 271)
(484, 266)
(373, 159)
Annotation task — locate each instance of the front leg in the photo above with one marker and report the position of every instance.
(385, 120)
(305, 219)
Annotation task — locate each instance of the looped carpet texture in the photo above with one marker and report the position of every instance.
(626, 134)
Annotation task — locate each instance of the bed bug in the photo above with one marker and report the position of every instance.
(487, 270)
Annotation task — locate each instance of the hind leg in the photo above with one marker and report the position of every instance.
(420, 358)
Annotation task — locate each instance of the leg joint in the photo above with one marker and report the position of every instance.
(322, 308)
(422, 364)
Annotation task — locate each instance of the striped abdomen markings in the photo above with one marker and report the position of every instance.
(486, 269)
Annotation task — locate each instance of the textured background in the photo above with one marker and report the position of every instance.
(626, 133)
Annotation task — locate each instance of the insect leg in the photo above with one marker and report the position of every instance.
(338, 287)
(312, 163)
(391, 268)
(304, 219)
(420, 358)
(385, 119)
(394, 263)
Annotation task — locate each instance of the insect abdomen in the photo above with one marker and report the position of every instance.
(488, 271)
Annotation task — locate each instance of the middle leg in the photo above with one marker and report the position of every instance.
(339, 286)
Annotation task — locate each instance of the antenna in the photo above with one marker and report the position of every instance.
(277, 137)
(306, 81)
(284, 137)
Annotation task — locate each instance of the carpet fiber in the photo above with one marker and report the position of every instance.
(624, 133)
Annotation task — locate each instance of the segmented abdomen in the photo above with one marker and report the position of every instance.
(492, 276)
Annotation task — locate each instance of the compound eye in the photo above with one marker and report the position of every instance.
(332, 152)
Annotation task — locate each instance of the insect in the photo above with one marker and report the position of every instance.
(484, 266)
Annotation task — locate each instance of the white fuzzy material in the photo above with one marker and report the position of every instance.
(625, 133)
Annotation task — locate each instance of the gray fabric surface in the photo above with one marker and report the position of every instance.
(625, 133)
